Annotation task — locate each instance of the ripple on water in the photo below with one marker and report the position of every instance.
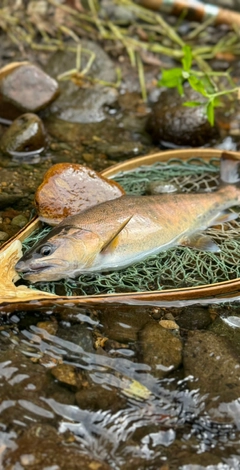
(59, 384)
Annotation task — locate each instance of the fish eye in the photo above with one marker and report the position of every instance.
(45, 250)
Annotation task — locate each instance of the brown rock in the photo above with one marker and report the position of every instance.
(160, 349)
(41, 446)
(169, 324)
(170, 121)
(122, 322)
(194, 318)
(214, 364)
(25, 134)
(50, 326)
(70, 188)
(65, 374)
(24, 87)
(98, 398)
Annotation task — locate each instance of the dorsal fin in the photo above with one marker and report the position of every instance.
(112, 238)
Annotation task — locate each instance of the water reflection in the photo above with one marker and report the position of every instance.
(112, 409)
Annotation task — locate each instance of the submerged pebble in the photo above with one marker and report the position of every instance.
(214, 364)
(20, 220)
(25, 134)
(194, 318)
(223, 327)
(24, 87)
(65, 373)
(160, 349)
(42, 446)
(96, 398)
(3, 236)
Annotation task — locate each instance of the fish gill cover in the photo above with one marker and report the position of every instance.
(176, 267)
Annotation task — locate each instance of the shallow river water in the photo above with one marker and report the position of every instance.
(78, 389)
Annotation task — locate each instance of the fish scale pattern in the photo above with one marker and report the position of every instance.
(177, 267)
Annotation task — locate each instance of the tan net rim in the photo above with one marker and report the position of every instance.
(222, 290)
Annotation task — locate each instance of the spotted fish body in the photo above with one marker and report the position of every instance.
(118, 233)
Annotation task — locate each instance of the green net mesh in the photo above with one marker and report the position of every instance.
(176, 267)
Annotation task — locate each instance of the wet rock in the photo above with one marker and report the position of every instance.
(24, 87)
(185, 457)
(20, 220)
(223, 329)
(7, 199)
(98, 398)
(22, 382)
(50, 326)
(3, 236)
(122, 323)
(42, 445)
(84, 103)
(9, 228)
(194, 318)
(214, 364)
(25, 134)
(118, 151)
(161, 187)
(81, 335)
(169, 324)
(172, 122)
(115, 349)
(70, 188)
(118, 13)
(65, 374)
(160, 349)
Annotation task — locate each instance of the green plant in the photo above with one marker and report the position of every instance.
(203, 82)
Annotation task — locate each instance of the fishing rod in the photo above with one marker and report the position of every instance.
(194, 10)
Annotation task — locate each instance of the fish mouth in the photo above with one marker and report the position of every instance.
(26, 272)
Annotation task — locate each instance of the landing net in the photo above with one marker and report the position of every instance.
(176, 267)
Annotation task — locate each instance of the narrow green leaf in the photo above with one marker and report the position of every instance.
(210, 112)
(187, 58)
(180, 88)
(192, 104)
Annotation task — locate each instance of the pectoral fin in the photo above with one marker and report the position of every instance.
(111, 242)
(225, 216)
(200, 242)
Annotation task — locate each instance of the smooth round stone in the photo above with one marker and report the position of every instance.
(160, 349)
(25, 134)
(24, 87)
(171, 121)
(3, 236)
(194, 318)
(65, 373)
(68, 189)
(161, 187)
(20, 220)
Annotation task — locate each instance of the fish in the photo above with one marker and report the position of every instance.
(115, 234)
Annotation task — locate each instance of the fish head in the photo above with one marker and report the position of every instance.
(63, 252)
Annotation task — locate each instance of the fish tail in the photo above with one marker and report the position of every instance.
(229, 168)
